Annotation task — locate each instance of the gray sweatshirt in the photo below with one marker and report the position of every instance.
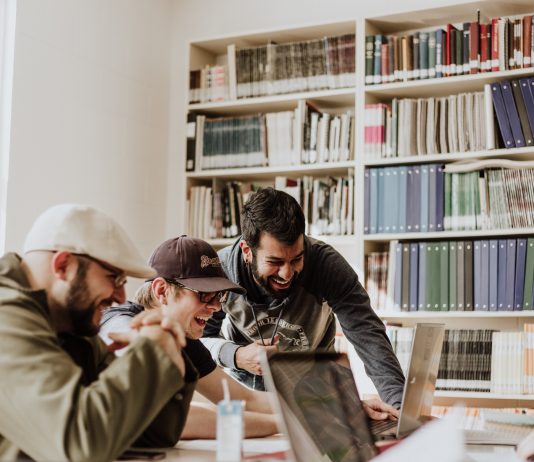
(305, 319)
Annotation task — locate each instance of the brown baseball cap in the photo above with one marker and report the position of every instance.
(193, 263)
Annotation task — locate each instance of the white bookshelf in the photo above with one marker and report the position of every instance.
(355, 247)
(383, 93)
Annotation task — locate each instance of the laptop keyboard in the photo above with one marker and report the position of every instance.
(510, 437)
(379, 426)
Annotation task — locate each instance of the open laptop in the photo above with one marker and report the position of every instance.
(316, 398)
(322, 415)
(420, 383)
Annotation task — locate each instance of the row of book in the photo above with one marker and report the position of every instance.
(455, 123)
(489, 199)
(480, 275)
(327, 203)
(302, 136)
(467, 48)
(421, 126)
(514, 109)
(277, 68)
(477, 360)
(442, 198)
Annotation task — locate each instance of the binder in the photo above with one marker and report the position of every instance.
(502, 117)
(511, 111)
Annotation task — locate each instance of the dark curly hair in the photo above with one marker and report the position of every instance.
(274, 212)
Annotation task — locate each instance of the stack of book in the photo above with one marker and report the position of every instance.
(464, 196)
(477, 360)
(305, 135)
(422, 126)
(388, 191)
(514, 108)
(277, 68)
(468, 48)
(327, 203)
(480, 275)
(208, 84)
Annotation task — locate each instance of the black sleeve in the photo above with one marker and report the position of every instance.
(342, 290)
(213, 326)
(200, 357)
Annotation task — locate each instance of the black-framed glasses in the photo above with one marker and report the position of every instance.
(205, 297)
(119, 278)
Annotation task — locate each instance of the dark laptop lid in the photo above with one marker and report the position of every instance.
(318, 400)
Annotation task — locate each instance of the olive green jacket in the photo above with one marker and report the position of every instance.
(67, 398)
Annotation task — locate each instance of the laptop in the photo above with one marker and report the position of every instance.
(418, 394)
(320, 411)
(316, 396)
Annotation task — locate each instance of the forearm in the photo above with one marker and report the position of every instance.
(201, 423)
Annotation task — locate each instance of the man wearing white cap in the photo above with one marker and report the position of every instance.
(63, 396)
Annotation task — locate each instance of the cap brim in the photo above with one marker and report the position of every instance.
(213, 284)
(143, 272)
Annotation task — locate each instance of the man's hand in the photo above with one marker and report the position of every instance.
(163, 331)
(248, 357)
(378, 410)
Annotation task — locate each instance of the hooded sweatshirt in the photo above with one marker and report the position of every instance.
(304, 320)
(66, 398)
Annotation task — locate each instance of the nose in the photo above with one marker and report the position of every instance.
(214, 305)
(119, 295)
(286, 271)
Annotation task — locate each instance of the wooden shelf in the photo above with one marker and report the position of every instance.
(333, 168)
(338, 98)
(393, 315)
(443, 86)
(526, 153)
(474, 234)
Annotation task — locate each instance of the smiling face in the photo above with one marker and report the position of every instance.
(91, 291)
(185, 307)
(275, 266)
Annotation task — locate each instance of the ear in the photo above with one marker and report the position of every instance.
(247, 251)
(159, 289)
(61, 262)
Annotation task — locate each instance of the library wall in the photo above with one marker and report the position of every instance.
(90, 113)
(192, 22)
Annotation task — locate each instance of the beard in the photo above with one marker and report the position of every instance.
(263, 281)
(78, 307)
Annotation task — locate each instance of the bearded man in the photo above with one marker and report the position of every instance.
(295, 284)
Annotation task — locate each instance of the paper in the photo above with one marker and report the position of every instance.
(250, 445)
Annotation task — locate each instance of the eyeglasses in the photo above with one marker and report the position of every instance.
(205, 297)
(119, 278)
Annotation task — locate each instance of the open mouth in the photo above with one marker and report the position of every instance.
(202, 320)
(280, 284)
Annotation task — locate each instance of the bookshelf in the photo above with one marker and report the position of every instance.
(357, 245)
(383, 93)
(335, 98)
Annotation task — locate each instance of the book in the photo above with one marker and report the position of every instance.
(520, 263)
(522, 112)
(511, 111)
(502, 117)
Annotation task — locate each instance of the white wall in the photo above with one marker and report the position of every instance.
(204, 19)
(90, 112)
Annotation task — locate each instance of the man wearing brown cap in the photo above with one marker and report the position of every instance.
(63, 395)
(190, 286)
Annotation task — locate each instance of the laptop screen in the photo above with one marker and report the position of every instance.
(317, 393)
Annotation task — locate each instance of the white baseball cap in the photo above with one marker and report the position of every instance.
(85, 230)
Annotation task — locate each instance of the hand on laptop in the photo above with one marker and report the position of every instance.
(378, 410)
